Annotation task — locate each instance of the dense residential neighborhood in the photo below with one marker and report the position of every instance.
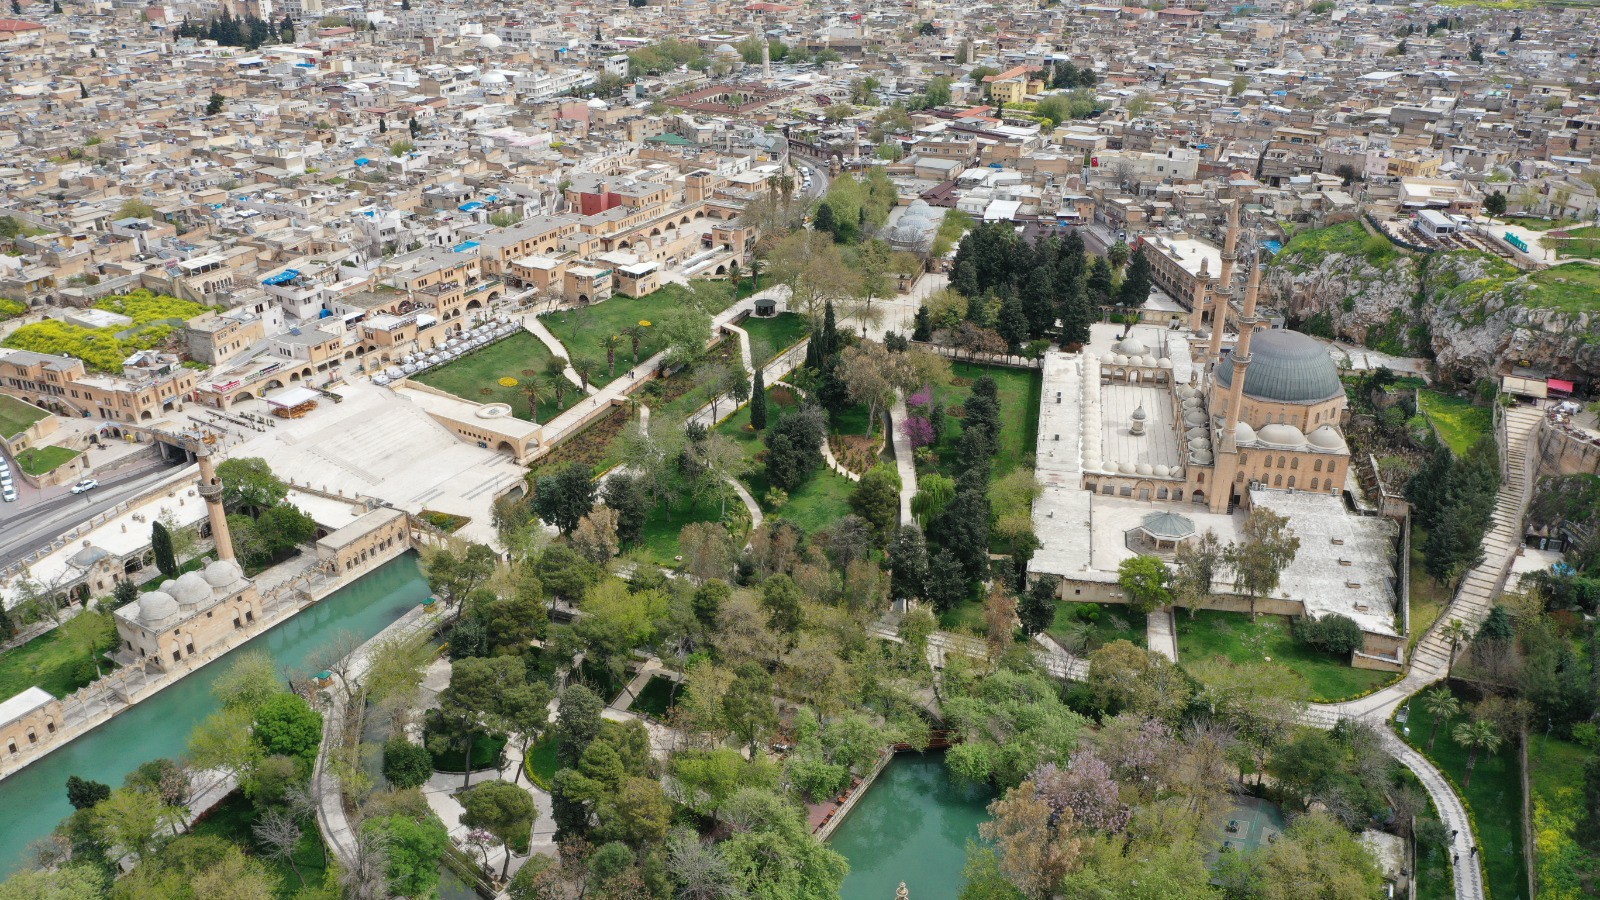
(774, 450)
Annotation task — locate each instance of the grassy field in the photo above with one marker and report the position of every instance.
(1232, 635)
(16, 415)
(582, 330)
(771, 336)
(1555, 782)
(1495, 796)
(541, 763)
(39, 460)
(1458, 423)
(660, 536)
(1579, 243)
(477, 377)
(1572, 288)
(1019, 414)
(48, 661)
(817, 503)
(1536, 224)
(1086, 627)
(1428, 597)
(231, 819)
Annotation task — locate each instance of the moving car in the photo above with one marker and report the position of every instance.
(88, 484)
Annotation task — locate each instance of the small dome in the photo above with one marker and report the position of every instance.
(1191, 403)
(1194, 417)
(919, 207)
(1279, 434)
(156, 607)
(494, 78)
(1144, 469)
(596, 103)
(1201, 457)
(1164, 363)
(167, 586)
(1162, 471)
(1132, 346)
(190, 589)
(1200, 443)
(1125, 468)
(1244, 434)
(1326, 438)
(1196, 431)
(1139, 415)
(1117, 359)
(1147, 361)
(222, 573)
(489, 42)
(1185, 392)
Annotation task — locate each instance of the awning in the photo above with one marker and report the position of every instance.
(1557, 386)
(290, 397)
(284, 277)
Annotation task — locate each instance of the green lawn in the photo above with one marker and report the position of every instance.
(817, 503)
(685, 389)
(48, 661)
(231, 819)
(1536, 224)
(582, 330)
(477, 377)
(1495, 796)
(16, 415)
(655, 700)
(1571, 287)
(40, 460)
(1458, 423)
(1579, 243)
(1019, 414)
(1232, 635)
(541, 763)
(1428, 597)
(771, 336)
(1086, 627)
(1555, 782)
(660, 537)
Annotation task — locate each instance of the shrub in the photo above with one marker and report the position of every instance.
(406, 765)
(1334, 634)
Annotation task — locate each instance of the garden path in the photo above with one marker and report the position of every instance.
(1159, 635)
(904, 460)
(537, 329)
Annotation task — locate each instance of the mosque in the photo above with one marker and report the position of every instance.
(1154, 433)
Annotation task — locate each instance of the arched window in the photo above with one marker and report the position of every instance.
(1281, 461)
(1279, 482)
(1294, 463)
(1318, 466)
(1266, 463)
(1291, 481)
(1244, 459)
(1314, 483)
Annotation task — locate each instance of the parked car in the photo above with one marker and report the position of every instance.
(9, 494)
(88, 484)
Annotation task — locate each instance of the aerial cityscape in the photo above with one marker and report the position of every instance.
(689, 450)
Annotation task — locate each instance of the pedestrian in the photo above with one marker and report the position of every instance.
(1454, 832)
(1474, 849)
(1455, 858)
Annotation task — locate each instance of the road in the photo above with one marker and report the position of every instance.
(26, 529)
(819, 176)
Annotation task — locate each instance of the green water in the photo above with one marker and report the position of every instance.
(35, 799)
(913, 826)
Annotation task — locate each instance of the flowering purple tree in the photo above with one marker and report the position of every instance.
(1087, 788)
(918, 431)
(920, 399)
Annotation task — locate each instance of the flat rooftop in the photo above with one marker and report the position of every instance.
(1346, 562)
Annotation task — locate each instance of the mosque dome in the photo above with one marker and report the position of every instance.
(489, 42)
(222, 573)
(1244, 434)
(191, 589)
(1194, 417)
(1132, 346)
(911, 231)
(1288, 367)
(1162, 471)
(918, 207)
(156, 607)
(1279, 434)
(1326, 438)
(596, 103)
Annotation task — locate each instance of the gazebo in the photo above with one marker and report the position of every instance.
(766, 306)
(1164, 531)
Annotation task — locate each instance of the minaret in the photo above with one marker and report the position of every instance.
(211, 492)
(1202, 286)
(766, 56)
(1224, 294)
(1247, 322)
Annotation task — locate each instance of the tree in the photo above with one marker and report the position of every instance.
(286, 724)
(1144, 581)
(1125, 677)
(455, 571)
(1037, 608)
(1478, 736)
(1495, 204)
(908, 557)
(684, 330)
(566, 497)
(215, 104)
(876, 498)
(1269, 546)
(626, 495)
(596, 535)
(1334, 634)
(406, 765)
(577, 723)
(132, 820)
(1099, 284)
(473, 700)
(1136, 281)
(937, 92)
(279, 834)
(85, 794)
(284, 527)
(505, 811)
(708, 550)
(1315, 857)
(248, 484)
(406, 851)
(1456, 632)
(758, 401)
(698, 869)
(78, 881)
(1442, 706)
(1036, 844)
(161, 546)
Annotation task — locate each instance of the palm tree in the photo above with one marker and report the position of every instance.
(1442, 706)
(583, 368)
(533, 388)
(556, 368)
(1455, 632)
(634, 333)
(1477, 736)
(610, 343)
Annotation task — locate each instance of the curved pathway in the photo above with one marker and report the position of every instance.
(533, 326)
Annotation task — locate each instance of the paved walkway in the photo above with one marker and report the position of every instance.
(534, 326)
(1159, 634)
(904, 458)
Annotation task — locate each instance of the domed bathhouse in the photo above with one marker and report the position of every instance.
(1155, 434)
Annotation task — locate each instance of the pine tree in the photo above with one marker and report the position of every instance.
(825, 220)
(55, 7)
(830, 332)
(1075, 316)
(923, 329)
(83, 90)
(415, 128)
(383, 126)
(1098, 284)
(161, 546)
(758, 402)
(1136, 282)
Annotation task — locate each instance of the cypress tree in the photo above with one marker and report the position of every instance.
(923, 329)
(830, 332)
(1136, 282)
(383, 126)
(825, 220)
(758, 402)
(161, 546)
(1075, 316)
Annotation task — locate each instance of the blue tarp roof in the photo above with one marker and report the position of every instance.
(1272, 246)
(470, 206)
(464, 246)
(287, 275)
(362, 160)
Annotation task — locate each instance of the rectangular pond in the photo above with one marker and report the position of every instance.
(35, 799)
(912, 826)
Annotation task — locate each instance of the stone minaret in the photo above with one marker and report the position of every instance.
(1247, 323)
(1223, 297)
(766, 56)
(211, 491)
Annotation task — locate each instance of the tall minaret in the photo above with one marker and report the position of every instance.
(766, 55)
(1223, 297)
(1247, 323)
(211, 492)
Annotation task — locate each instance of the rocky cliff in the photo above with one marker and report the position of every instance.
(1472, 312)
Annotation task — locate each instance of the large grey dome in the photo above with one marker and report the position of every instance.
(1286, 366)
